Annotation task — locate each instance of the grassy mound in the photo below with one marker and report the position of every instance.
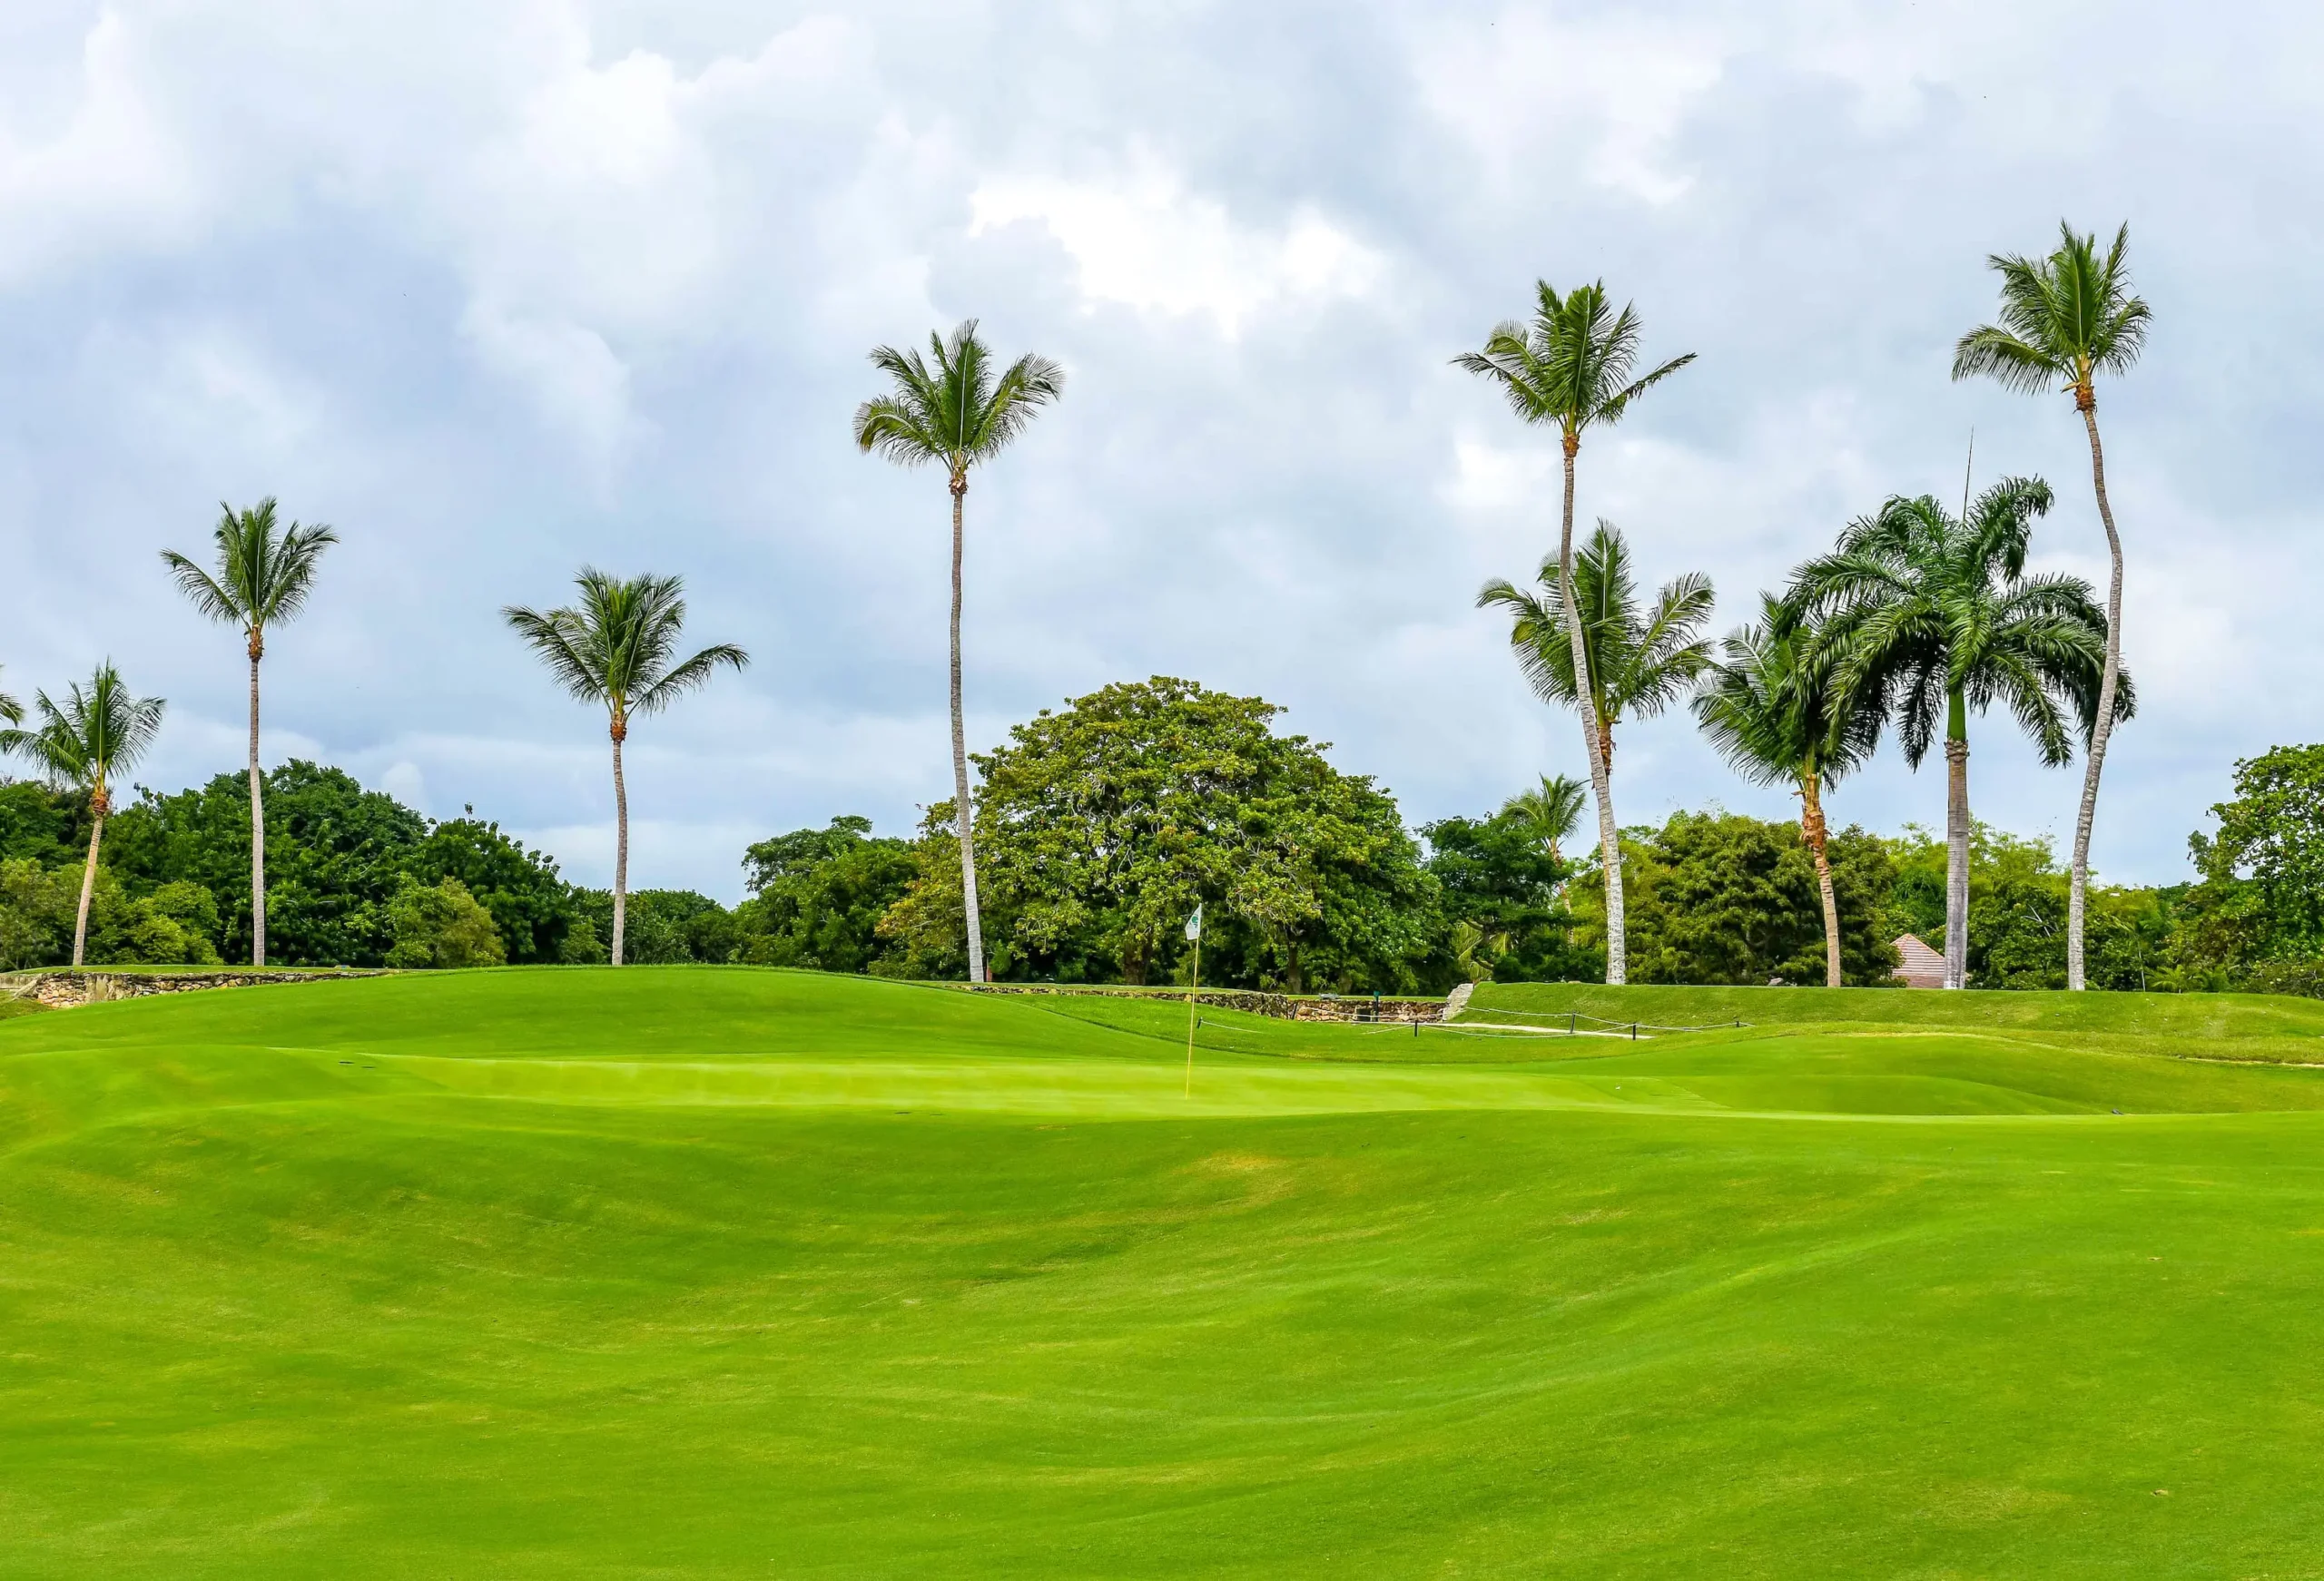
(2270, 1027)
(677, 1272)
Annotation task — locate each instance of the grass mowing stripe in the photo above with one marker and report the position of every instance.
(513, 1301)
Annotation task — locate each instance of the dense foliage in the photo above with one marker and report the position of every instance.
(1102, 826)
(1104, 823)
(1720, 897)
(818, 896)
(174, 886)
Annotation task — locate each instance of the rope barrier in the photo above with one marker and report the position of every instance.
(1573, 1019)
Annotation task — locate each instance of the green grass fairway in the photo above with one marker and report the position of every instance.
(682, 1273)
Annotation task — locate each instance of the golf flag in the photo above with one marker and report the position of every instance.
(1194, 980)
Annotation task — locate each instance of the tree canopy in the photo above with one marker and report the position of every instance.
(1105, 823)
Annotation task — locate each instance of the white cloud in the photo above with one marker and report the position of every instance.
(405, 239)
(403, 780)
(573, 377)
(1529, 91)
(1144, 241)
(1497, 478)
(113, 174)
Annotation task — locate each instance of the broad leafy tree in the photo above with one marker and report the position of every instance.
(1106, 823)
(532, 909)
(617, 647)
(39, 823)
(1776, 714)
(1640, 659)
(441, 924)
(2065, 319)
(1574, 365)
(338, 854)
(1504, 876)
(818, 896)
(1724, 897)
(956, 410)
(1930, 617)
(264, 572)
(664, 926)
(96, 735)
(2260, 905)
(172, 884)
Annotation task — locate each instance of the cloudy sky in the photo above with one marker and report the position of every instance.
(501, 288)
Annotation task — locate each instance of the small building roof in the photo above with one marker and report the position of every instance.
(1922, 968)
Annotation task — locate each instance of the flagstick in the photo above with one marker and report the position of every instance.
(1191, 984)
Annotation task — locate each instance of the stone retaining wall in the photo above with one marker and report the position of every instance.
(62, 990)
(1281, 1006)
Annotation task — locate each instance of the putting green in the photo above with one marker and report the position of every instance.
(699, 1272)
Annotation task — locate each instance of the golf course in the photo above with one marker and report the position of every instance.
(693, 1271)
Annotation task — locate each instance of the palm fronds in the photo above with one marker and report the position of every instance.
(1573, 364)
(1639, 661)
(1919, 608)
(953, 409)
(1774, 707)
(614, 646)
(264, 571)
(1550, 811)
(98, 731)
(2064, 318)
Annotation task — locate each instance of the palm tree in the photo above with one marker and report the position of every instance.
(97, 734)
(1571, 367)
(1475, 950)
(957, 413)
(1639, 662)
(615, 648)
(11, 710)
(1774, 711)
(2065, 319)
(1929, 615)
(264, 573)
(1550, 813)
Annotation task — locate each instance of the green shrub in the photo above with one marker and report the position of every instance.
(441, 924)
(36, 907)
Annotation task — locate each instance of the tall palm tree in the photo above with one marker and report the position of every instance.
(98, 733)
(1639, 661)
(2065, 319)
(1570, 366)
(615, 648)
(1775, 710)
(1929, 615)
(957, 413)
(1551, 812)
(11, 710)
(265, 572)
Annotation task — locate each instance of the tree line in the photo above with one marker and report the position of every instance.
(1917, 619)
(1103, 822)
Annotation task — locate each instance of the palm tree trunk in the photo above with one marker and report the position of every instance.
(258, 824)
(1957, 844)
(620, 840)
(1811, 823)
(962, 817)
(2078, 896)
(1609, 843)
(98, 808)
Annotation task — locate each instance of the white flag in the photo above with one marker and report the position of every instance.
(1193, 925)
